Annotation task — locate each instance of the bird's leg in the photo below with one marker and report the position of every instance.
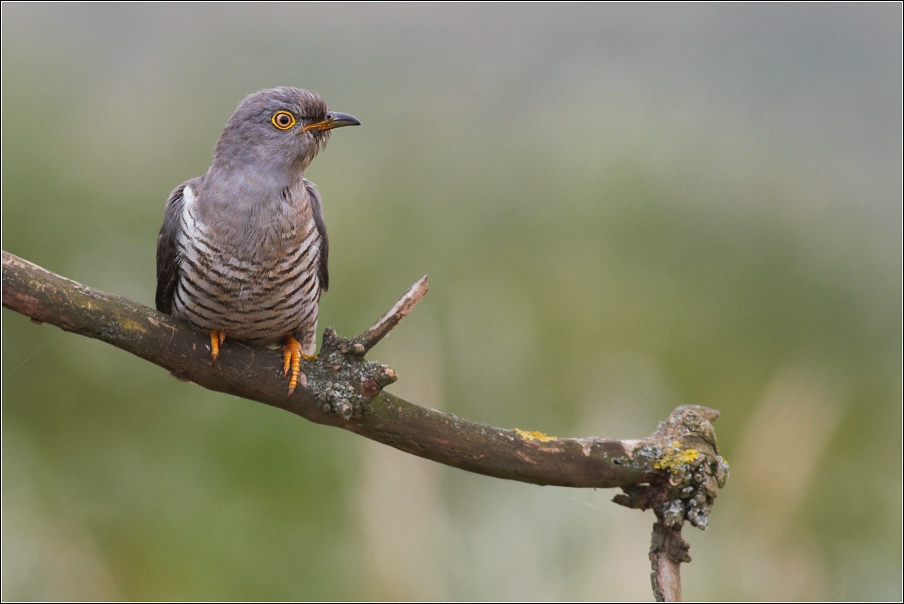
(292, 360)
(309, 344)
(216, 339)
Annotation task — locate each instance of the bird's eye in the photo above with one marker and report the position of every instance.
(283, 120)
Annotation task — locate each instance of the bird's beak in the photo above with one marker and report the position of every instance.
(334, 119)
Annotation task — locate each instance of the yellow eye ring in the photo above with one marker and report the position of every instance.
(283, 120)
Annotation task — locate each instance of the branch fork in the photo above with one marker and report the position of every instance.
(344, 383)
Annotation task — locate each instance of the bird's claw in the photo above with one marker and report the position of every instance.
(216, 339)
(292, 356)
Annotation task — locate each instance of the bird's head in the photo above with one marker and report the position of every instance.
(278, 130)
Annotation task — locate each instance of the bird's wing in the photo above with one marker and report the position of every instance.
(168, 259)
(317, 208)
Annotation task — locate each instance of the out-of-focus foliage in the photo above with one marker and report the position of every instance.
(621, 209)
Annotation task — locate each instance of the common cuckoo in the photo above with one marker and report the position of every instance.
(243, 249)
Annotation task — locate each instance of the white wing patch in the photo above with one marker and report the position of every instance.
(192, 229)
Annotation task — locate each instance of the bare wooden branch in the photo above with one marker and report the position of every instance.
(381, 328)
(667, 551)
(676, 471)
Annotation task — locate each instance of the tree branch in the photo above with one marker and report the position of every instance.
(381, 328)
(667, 551)
(676, 471)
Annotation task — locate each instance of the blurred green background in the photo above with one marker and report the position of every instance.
(621, 209)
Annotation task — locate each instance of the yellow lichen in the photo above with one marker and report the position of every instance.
(674, 458)
(131, 326)
(534, 436)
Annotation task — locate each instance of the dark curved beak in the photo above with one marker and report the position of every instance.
(333, 119)
(336, 119)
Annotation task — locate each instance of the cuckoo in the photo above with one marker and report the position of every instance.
(243, 249)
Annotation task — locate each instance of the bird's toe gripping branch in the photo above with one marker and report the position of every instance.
(292, 356)
(216, 340)
(292, 361)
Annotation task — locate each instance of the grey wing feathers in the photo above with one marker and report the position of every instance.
(168, 251)
(317, 208)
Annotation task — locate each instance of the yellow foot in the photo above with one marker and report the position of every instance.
(292, 356)
(216, 339)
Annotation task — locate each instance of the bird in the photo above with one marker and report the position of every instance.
(243, 249)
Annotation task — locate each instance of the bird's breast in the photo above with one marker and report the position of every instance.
(258, 287)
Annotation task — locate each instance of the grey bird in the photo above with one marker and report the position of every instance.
(243, 249)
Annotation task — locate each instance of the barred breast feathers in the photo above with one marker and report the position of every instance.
(258, 285)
